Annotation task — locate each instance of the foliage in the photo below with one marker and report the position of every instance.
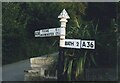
(78, 60)
(78, 57)
(20, 20)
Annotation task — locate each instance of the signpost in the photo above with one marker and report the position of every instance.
(64, 43)
(63, 19)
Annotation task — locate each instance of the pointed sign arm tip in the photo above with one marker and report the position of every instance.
(64, 14)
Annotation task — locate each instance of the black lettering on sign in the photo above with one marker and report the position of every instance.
(90, 44)
(52, 34)
(66, 43)
(57, 33)
(77, 43)
(84, 45)
(56, 29)
(44, 34)
(69, 43)
(72, 43)
(45, 30)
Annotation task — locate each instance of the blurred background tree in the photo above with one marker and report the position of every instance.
(20, 20)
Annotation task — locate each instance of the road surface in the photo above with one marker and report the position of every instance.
(15, 71)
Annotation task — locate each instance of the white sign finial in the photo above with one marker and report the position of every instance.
(64, 14)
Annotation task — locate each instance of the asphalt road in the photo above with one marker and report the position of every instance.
(15, 71)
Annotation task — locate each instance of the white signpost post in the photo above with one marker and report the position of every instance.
(64, 43)
(63, 19)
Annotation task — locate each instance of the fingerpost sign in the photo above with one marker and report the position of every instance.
(64, 43)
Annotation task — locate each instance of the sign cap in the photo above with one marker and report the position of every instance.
(64, 14)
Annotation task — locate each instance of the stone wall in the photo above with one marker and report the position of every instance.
(42, 68)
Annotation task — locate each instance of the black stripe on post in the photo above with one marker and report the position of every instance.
(60, 69)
